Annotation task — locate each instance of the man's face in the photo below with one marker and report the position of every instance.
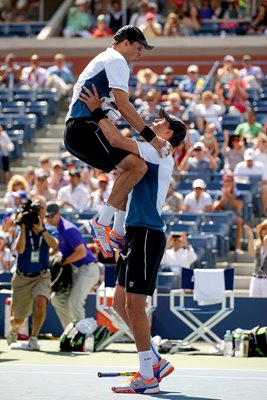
(133, 52)
(161, 126)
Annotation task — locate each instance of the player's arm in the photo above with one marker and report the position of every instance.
(110, 131)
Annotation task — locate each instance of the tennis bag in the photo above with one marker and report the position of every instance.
(257, 339)
(73, 340)
(61, 275)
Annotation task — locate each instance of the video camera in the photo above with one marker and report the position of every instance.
(30, 213)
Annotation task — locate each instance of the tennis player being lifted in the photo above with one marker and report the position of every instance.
(138, 263)
(109, 72)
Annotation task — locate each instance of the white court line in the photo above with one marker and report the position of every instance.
(173, 375)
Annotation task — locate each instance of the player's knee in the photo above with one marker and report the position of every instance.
(40, 302)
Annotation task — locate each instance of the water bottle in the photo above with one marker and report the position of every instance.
(228, 344)
(238, 346)
(244, 346)
(89, 343)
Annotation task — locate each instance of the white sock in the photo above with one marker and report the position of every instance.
(145, 361)
(119, 219)
(154, 352)
(106, 215)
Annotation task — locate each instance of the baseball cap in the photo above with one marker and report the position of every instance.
(20, 194)
(246, 57)
(51, 209)
(150, 15)
(80, 2)
(102, 178)
(178, 127)
(199, 145)
(57, 163)
(249, 154)
(192, 68)
(228, 57)
(74, 172)
(101, 18)
(168, 70)
(199, 183)
(132, 33)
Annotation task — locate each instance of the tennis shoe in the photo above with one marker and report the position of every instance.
(11, 337)
(137, 384)
(34, 344)
(100, 234)
(162, 369)
(116, 241)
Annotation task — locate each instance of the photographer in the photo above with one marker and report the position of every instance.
(31, 281)
(69, 304)
(178, 253)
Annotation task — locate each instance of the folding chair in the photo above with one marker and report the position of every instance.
(215, 314)
(103, 296)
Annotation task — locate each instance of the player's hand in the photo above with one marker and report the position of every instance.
(91, 99)
(163, 147)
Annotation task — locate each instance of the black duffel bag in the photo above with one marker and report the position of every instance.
(61, 275)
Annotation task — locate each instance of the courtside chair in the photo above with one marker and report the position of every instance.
(181, 306)
(104, 297)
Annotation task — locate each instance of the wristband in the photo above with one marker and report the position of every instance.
(44, 230)
(98, 114)
(147, 133)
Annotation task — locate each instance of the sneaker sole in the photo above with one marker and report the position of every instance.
(168, 372)
(131, 391)
(90, 229)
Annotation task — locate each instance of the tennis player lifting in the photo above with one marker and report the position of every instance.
(109, 72)
(138, 264)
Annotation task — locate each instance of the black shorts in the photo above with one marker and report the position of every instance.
(138, 264)
(84, 139)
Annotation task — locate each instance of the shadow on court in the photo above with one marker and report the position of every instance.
(178, 396)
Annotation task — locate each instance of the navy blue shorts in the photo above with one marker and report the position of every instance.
(138, 264)
(84, 139)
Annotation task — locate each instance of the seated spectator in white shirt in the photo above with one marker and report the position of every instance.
(33, 76)
(74, 195)
(198, 200)
(178, 253)
(100, 195)
(208, 111)
(251, 74)
(174, 200)
(248, 167)
(198, 159)
(261, 149)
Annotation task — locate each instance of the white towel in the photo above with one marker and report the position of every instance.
(209, 286)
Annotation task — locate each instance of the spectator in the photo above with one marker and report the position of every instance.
(69, 304)
(139, 17)
(250, 129)
(205, 10)
(174, 200)
(198, 159)
(259, 22)
(251, 74)
(74, 195)
(151, 28)
(9, 228)
(227, 72)
(220, 94)
(33, 76)
(238, 96)
(190, 23)
(208, 111)
(149, 110)
(153, 7)
(100, 195)
(59, 76)
(79, 20)
(16, 182)
(189, 86)
(261, 149)
(146, 81)
(178, 253)
(41, 187)
(10, 73)
(31, 282)
(57, 180)
(198, 200)
(44, 163)
(6, 257)
(249, 167)
(6, 147)
(101, 29)
(210, 141)
(167, 82)
(258, 250)
(114, 17)
(232, 150)
(228, 199)
(171, 26)
(174, 108)
(29, 175)
(18, 197)
(229, 14)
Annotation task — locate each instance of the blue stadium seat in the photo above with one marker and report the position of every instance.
(13, 107)
(222, 232)
(17, 137)
(167, 281)
(19, 30)
(25, 94)
(209, 244)
(230, 122)
(40, 109)
(189, 227)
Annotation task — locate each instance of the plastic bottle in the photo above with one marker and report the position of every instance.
(89, 344)
(244, 346)
(228, 344)
(238, 346)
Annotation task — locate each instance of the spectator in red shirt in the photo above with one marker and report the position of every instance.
(101, 30)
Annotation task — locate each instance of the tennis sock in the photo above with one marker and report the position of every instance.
(154, 352)
(145, 361)
(106, 215)
(119, 219)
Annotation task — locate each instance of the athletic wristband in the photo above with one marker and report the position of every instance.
(98, 114)
(147, 133)
(44, 230)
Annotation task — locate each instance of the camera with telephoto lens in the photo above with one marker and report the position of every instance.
(30, 213)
